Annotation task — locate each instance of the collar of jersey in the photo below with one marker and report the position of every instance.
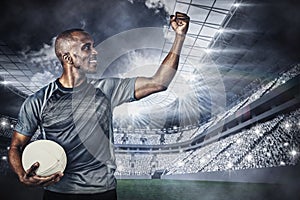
(77, 88)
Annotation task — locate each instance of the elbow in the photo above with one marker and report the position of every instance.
(160, 88)
(159, 85)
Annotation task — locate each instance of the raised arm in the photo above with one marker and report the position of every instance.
(160, 81)
(27, 177)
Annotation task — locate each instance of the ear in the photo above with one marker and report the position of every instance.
(67, 58)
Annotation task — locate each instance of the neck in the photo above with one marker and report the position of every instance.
(71, 77)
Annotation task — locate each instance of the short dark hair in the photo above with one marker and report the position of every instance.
(61, 38)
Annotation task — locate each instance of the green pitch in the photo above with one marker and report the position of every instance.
(200, 190)
(12, 189)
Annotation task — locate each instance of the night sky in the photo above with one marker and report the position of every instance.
(30, 23)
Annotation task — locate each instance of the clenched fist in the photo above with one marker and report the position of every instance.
(180, 23)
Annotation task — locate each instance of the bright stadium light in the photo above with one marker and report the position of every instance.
(208, 51)
(249, 157)
(236, 5)
(239, 141)
(287, 125)
(4, 82)
(3, 123)
(221, 30)
(257, 131)
(230, 165)
(293, 152)
(4, 158)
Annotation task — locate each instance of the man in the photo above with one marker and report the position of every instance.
(76, 112)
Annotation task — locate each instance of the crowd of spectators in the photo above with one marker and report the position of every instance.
(269, 144)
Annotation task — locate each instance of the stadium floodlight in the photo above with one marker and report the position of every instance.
(4, 82)
(208, 51)
(221, 30)
(4, 158)
(249, 157)
(239, 141)
(287, 125)
(236, 5)
(257, 131)
(230, 165)
(265, 149)
(293, 152)
(3, 123)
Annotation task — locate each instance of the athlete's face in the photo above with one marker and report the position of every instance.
(83, 53)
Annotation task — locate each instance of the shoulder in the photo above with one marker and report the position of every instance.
(103, 81)
(41, 95)
(110, 82)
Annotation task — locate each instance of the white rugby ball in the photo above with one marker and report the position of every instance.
(50, 155)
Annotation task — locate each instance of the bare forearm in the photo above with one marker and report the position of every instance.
(15, 161)
(168, 68)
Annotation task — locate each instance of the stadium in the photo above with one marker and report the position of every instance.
(226, 128)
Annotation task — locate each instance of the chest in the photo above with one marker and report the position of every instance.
(65, 110)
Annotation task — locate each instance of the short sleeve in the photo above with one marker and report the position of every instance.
(119, 90)
(28, 118)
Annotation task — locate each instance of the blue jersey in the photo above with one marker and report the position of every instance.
(80, 120)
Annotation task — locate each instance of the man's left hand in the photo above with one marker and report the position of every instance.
(180, 23)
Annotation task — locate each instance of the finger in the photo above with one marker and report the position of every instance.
(31, 171)
(52, 179)
(172, 18)
(182, 16)
(57, 179)
(173, 22)
(57, 176)
(47, 183)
